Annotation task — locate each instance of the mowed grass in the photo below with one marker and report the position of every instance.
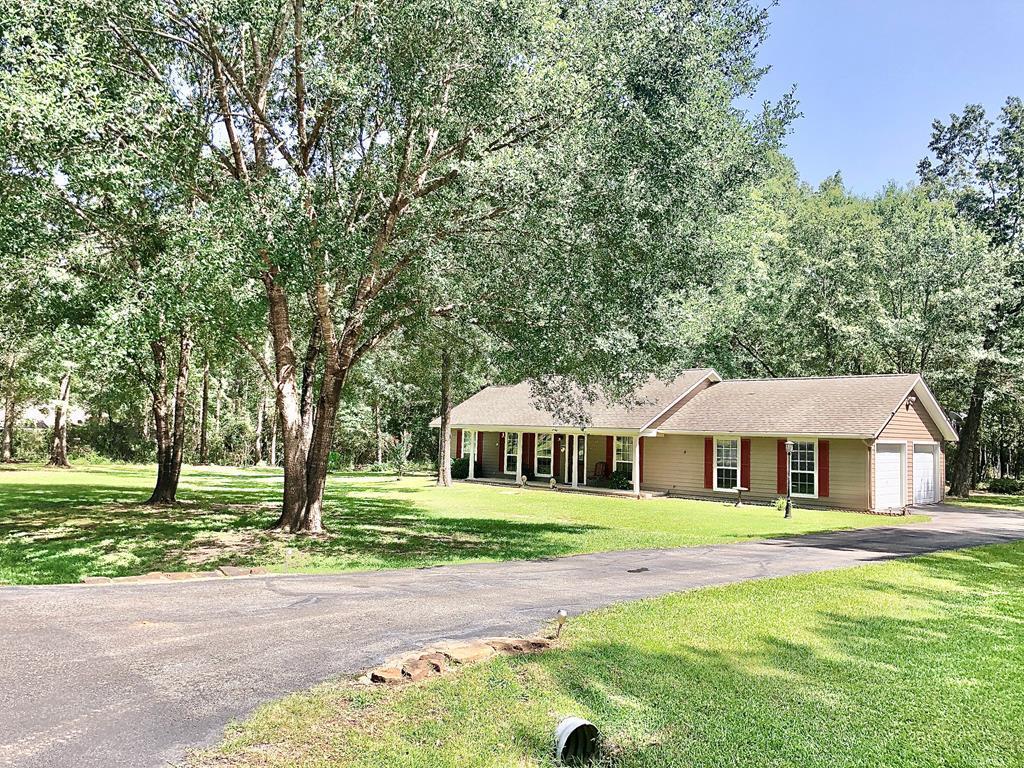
(989, 501)
(59, 525)
(904, 665)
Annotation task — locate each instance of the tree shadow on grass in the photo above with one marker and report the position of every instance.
(927, 675)
(58, 533)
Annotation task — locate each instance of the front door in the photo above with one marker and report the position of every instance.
(581, 459)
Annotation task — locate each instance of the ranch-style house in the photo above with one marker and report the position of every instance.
(874, 443)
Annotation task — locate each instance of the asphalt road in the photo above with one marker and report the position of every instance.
(133, 675)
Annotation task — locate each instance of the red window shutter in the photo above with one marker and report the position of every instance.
(745, 462)
(823, 459)
(709, 462)
(458, 443)
(529, 442)
(501, 451)
(479, 447)
(782, 473)
(641, 458)
(556, 462)
(609, 447)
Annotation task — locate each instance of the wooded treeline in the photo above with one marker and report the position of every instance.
(241, 234)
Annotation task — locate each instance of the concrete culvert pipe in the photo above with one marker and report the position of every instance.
(577, 742)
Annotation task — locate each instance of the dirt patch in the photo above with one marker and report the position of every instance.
(211, 547)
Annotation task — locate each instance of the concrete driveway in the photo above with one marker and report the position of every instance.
(134, 674)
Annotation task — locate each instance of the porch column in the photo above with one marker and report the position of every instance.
(575, 461)
(519, 457)
(636, 465)
(472, 456)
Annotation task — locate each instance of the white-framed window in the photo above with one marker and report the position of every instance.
(543, 457)
(803, 468)
(727, 463)
(623, 455)
(468, 436)
(511, 452)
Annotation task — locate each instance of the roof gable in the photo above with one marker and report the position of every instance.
(842, 406)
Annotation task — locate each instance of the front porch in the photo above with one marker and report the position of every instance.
(537, 485)
(569, 460)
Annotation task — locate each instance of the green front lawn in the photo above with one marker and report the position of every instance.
(58, 525)
(904, 665)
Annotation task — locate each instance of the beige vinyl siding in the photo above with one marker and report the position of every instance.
(914, 425)
(675, 464)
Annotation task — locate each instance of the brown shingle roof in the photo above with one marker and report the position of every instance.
(513, 406)
(841, 405)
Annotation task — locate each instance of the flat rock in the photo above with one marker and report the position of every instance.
(417, 669)
(437, 661)
(387, 676)
(466, 652)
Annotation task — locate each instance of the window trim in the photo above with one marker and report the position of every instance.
(537, 456)
(739, 463)
(514, 455)
(615, 452)
(814, 441)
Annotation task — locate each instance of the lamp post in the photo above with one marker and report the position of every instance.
(789, 478)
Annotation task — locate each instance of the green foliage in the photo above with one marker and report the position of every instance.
(334, 461)
(399, 453)
(1008, 485)
(620, 480)
(460, 468)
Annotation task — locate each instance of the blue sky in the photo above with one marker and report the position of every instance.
(871, 76)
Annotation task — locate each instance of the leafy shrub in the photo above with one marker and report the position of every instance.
(620, 480)
(460, 468)
(334, 461)
(399, 452)
(381, 466)
(780, 503)
(1009, 485)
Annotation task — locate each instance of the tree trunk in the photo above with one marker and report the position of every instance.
(273, 437)
(320, 448)
(160, 429)
(204, 413)
(59, 440)
(7, 441)
(289, 407)
(377, 432)
(444, 443)
(260, 418)
(170, 436)
(961, 478)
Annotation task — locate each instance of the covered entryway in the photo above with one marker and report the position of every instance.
(925, 474)
(889, 475)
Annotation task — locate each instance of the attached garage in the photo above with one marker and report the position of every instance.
(926, 474)
(889, 483)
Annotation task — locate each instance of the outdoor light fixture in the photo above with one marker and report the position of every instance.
(560, 617)
(789, 478)
(577, 742)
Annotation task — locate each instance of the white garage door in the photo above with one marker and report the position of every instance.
(888, 476)
(925, 486)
